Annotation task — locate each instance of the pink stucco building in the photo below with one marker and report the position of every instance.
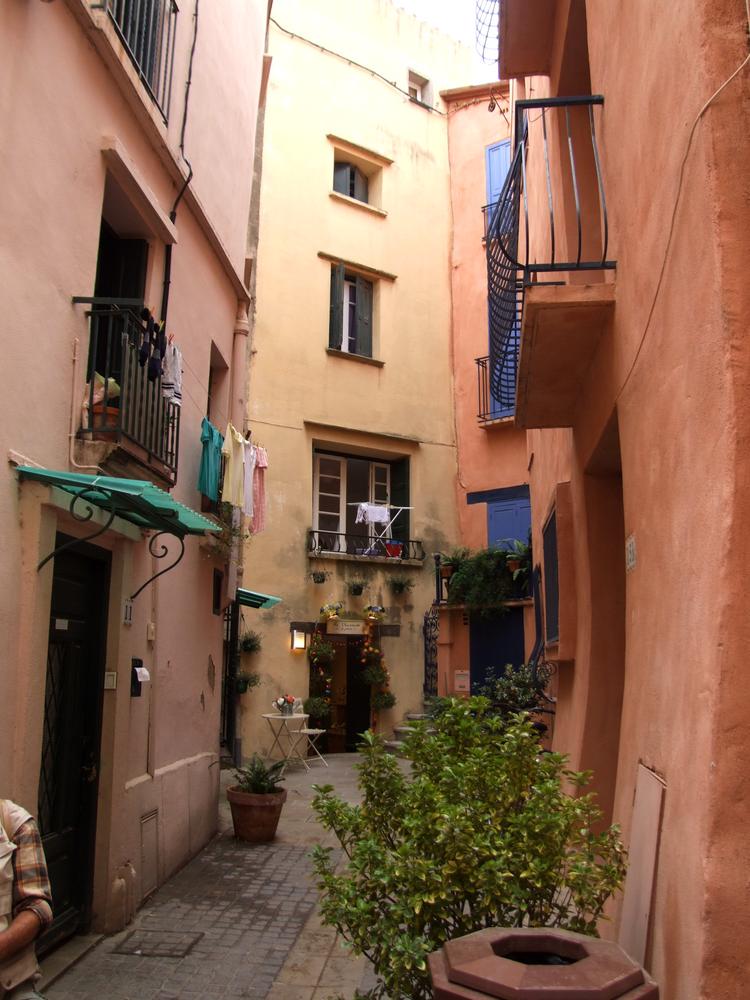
(624, 223)
(126, 179)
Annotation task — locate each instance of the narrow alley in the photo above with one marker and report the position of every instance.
(239, 920)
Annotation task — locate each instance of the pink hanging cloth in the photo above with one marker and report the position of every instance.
(259, 490)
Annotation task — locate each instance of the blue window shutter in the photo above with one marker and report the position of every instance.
(336, 321)
(508, 520)
(364, 317)
(497, 159)
(341, 172)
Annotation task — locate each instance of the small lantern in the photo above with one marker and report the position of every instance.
(299, 640)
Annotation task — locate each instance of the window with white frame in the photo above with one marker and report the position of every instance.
(419, 88)
(340, 484)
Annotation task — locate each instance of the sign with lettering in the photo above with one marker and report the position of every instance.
(345, 626)
(461, 680)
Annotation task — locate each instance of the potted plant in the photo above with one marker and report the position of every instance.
(374, 612)
(317, 708)
(256, 800)
(331, 610)
(319, 575)
(251, 642)
(245, 680)
(394, 549)
(517, 554)
(285, 704)
(382, 699)
(400, 584)
(356, 587)
(451, 562)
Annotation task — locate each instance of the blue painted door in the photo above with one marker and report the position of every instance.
(493, 643)
(508, 519)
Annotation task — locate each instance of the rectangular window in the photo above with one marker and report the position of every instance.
(419, 88)
(551, 585)
(343, 482)
(350, 325)
(348, 179)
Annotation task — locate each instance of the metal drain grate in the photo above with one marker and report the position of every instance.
(154, 943)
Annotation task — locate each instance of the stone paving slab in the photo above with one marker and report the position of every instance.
(255, 907)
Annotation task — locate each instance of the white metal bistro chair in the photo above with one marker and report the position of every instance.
(309, 738)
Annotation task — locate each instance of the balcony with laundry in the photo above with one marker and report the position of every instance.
(362, 510)
(548, 257)
(130, 412)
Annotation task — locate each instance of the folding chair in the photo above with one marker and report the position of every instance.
(312, 736)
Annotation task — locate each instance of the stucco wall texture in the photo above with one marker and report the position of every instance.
(67, 84)
(666, 640)
(300, 396)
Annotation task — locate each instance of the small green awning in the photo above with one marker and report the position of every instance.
(134, 500)
(252, 599)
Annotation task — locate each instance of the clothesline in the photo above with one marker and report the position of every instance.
(245, 464)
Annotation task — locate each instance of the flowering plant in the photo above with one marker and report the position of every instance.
(321, 651)
(284, 699)
(375, 612)
(331, 610)
(371, 653)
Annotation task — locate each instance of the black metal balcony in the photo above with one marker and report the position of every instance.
(123, 405)
(551, 216)
(148, 29)
(366, 546)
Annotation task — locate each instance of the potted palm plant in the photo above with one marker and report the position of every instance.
(256, 800)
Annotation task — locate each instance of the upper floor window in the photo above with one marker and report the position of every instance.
(341, 485)
(148, 29)
(419, 88)
(349, 180)
(350, 326)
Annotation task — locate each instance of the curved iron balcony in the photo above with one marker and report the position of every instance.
(551, 216)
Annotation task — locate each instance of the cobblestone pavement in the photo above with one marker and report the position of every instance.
(240, 920)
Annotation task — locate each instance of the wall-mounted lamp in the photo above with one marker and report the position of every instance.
(299, 639)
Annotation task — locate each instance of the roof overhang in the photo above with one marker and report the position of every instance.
(526, 31)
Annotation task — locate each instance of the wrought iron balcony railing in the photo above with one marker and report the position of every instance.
(364, 545)
(148, 29)
(551, 216)
(487, 211)
(123, 403)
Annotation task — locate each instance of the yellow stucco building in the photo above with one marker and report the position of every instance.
(350, 380)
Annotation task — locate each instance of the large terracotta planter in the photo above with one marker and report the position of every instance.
(255, 817)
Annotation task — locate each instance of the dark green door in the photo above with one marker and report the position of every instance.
(69, 774)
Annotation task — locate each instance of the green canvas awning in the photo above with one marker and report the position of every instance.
(135, 500)
(252, 599)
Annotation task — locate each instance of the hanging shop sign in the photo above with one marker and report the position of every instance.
(345, 626)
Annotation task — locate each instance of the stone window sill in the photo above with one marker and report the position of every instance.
(354, 357)
(356, 203)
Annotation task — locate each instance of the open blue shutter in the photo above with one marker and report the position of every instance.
(341, 177)
(497, 160)
(336, 322)
(508, 520)
(364, 317)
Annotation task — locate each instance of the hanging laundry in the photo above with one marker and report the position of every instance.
(250, 451)
(171, 383)
(148, 338)
(233, 450)
(159, 346)
(259, 490)
(372, 513)
(210, 469)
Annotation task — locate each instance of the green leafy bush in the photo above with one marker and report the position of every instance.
(516, 689)
(251, 642)
(375, 674)
(482, 582)
(317, 708)
(479, 834)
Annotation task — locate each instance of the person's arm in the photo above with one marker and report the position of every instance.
(32, 895)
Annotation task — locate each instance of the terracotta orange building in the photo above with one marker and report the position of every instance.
(623, 227)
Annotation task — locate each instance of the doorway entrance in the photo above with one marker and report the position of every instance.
(69, 773)
(350, 697)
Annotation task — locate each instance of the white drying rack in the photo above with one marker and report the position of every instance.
(380, 530)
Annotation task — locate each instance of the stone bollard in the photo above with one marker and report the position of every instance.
(536, 963)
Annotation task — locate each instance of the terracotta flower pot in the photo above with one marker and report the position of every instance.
(446, 572)
(513, 564)
(255, 817)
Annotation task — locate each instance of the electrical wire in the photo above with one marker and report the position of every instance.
(668, 246)
(352, 62)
